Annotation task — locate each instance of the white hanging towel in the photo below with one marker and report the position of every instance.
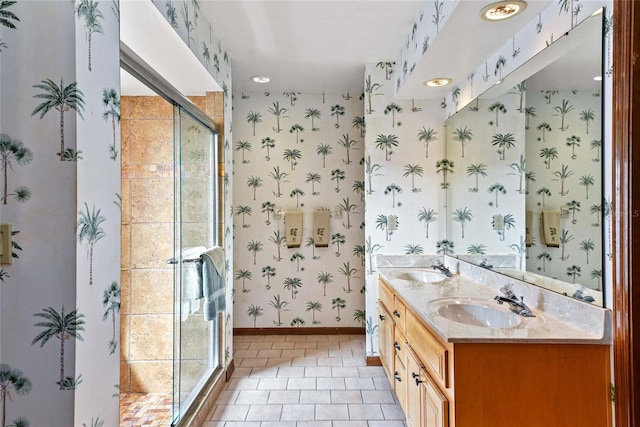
(321, 228)
(293, 228)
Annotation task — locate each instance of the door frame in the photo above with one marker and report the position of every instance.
(626, 213)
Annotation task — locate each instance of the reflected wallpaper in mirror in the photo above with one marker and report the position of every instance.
(535, 148)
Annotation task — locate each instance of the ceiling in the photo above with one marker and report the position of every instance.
(313, 46)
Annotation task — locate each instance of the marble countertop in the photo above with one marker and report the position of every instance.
(559, 319)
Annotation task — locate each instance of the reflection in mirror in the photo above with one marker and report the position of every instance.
(525, 195)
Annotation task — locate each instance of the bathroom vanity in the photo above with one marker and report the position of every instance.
(455, 357)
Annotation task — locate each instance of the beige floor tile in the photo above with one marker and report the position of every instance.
(274, 338)
(329, 345)
(279, 361)
(305, 361)
(346, 396)
(284, 397)
(241, 372)
(214, 424)
(344, 372)
(392, 412)
(359, 383)
(306, 345)
(353, 361)
(291, 371)
(266, 372)
(261, 346)
(329, 361)
(227, 397)
(253, 338)
(386, 424)
(350, 424)
(278, 424)
(296, 338)
(313, 424)
(267, 353)
(315, 396)
(371, 371)
(242, 424)
(252, 397)
(241, 345)
(382, 383)
(377, 396)
(301, 384)
(331, 383)
(365, 412)
(253, 362)
(298, 412)
(283, 345)
(273, 383)
(264, 413)
(315, 352)
(332, 412)
(230, 413)
(317, 371)
(237, 353)
(340, 353)
(242, 384)
(293, 353)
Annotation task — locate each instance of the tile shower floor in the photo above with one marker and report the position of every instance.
(305, 381)
(145, 409)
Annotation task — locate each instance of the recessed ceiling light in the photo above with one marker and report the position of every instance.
(597, 78)
(260, 79)
(437, 82)
(498, 82)
(502, 10)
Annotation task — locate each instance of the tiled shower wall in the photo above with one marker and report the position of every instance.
(147, 239)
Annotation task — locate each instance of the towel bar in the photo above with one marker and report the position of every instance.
(175, 261)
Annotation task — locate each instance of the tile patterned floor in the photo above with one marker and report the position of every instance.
(305, 381)
(145, 409)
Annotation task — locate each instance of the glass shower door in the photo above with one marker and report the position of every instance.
(196, 341)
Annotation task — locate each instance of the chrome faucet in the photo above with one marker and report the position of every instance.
(516, 304)
(485, 264)
(444, 270)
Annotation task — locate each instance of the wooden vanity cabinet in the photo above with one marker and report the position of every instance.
(490, 384)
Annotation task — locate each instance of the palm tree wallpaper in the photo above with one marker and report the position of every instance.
(401, 179)
(306, 154)
(61, 129)
(573, 181)
(482, 185)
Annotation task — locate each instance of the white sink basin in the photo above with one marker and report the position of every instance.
(421, 276)
(478, 312)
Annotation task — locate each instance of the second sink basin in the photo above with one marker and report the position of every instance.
(475, 313)
(421, 276)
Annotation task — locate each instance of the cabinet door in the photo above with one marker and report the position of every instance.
(414, 391)
(400, 383)
(385, 341)
(436, 405)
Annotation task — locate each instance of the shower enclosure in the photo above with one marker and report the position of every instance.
(171, 215)
(196, 342)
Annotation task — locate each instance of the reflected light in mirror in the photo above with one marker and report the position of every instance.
(502, 10)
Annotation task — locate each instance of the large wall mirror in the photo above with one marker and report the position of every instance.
(525, 195)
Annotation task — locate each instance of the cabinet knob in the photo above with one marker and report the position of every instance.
(381, 317)
(395, 313)
(397, 377)
(397, 346)
(418, 381)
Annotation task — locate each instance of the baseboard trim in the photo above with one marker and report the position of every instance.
(230, 368)
(374, 361)
(298, 331)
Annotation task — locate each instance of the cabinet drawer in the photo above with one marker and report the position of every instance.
(385, 296)
(434, 355)
(399, 314)
(400, 346)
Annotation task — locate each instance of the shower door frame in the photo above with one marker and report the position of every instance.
(139, 69)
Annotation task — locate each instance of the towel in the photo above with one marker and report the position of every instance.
(293, 228)
(213, 282)
(528, 224)
(321, 228)
(551, 228)
(191, 282)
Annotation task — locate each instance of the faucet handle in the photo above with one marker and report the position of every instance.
(508, 290)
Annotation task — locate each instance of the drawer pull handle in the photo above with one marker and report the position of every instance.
(395, 313)
(397, 346)
(381, 317)
(415, 376)
(397, 377)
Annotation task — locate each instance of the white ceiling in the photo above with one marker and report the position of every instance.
(312, 46)
(309, 46)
